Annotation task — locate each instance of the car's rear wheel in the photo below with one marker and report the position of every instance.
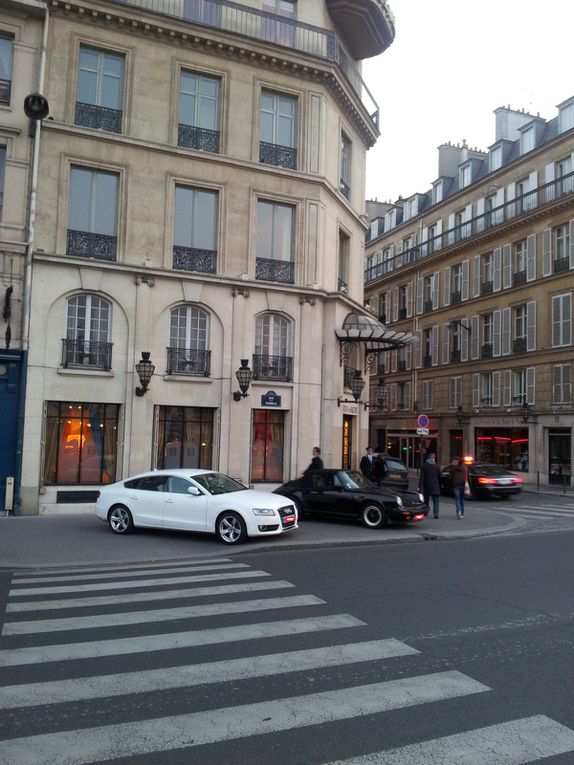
(120, 520)
(373, 516)
(230, 528)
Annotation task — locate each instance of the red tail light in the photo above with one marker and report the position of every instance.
(486, 480)
(517, 480)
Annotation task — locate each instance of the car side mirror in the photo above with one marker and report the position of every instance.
(194, 491)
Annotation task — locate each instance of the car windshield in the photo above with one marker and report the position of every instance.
(352, 479)
(394, 465)
(218, 483)
(489, 470)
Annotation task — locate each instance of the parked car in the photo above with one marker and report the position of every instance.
(194, 500)
(348, 494)
(395, 473)
(484, 480)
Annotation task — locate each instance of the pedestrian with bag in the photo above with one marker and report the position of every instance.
(458, 472)
(429, 483)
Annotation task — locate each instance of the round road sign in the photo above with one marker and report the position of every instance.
(423, 421)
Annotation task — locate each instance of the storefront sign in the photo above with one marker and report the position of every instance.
(270, 399)
(497, 421)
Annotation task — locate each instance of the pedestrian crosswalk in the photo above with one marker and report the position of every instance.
(77, 642)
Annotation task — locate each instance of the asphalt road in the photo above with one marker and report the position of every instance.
(442, 653)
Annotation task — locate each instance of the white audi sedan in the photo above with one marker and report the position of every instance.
(194, 500)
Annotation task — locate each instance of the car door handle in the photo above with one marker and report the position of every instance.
(170, 501)
(134, 496)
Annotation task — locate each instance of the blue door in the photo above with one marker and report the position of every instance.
(9, 399)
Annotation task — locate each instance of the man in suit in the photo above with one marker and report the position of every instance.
(368, 464)
(429, 482)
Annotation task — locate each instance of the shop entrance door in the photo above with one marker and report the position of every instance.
(560, 457)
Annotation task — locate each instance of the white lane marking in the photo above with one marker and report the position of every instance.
(157, 615)
(121, 573)
(129, 584)
(178, 731)
(512, 743)
(97, 648)
(168, 678)
(104, 568)
(142, 597)
(542, 513)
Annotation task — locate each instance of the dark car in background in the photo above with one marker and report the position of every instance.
(395, 474)
(484, 480)
(348, 494)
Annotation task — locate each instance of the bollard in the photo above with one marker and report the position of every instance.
(538, 480)
(563, 483)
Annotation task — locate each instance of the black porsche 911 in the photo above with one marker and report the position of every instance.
(348, 494)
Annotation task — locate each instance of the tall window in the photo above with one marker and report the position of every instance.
(519, 335)
(562, 384)
(184, 437)
(519, 386)
(277, 143)
(87, 333)
(567, 117)
(487, 273)
(2, 173)
(561, 320)
(92, 214)
(345, 161)
(81, 443)
(99, 97)
(343, 263)
(272, 359)
(564, 176)
(561, 235)
(456, 284)
(520, 258)
(195, 230)
(527, 140)
(275, 242)
(487, 336)
(486, 389)
(198, 126)
(267, 445)
(276, 30)
(495, 158)
(6, 53)
(188, 341)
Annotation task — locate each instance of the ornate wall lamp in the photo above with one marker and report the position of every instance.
(356, 385)
(244, 376)
(525, 412)
(460, 415)
(145, 370)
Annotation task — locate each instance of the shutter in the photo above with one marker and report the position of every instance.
(567, 383)
(458, 391)
(557, 387)
(387, 361)
(507, 266)
(393, 392)
(496, 322)
(451, 392)
(507, 388)
(549, 176)
(476, 390)
(424, 240)
(510, 196)
(496, 280)
(447, 286)
(567, 319)
(420, 294)
(394, 355)
(450, 233)
(465, 276)
(407, 395)
(530, 385)
(418, 349)
(532, 198)
(395, 302)
(409, 355)
(438, 236)
(571, 232)
(475, 336)
(496, 389)
(506, 316)
(531, 258)
(476, 276)
(410, 286)
(480, 215)
(464, 341)
(445, 343)
(547, 252)
(499, 204)
(556, 320)
(435, 289)
(467, 228)
(434, 345)
(530, 325)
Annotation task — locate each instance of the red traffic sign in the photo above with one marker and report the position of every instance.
(423, 421)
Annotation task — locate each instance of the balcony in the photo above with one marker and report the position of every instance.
(191, 137)
(98, 117)
(456, 297)
(486, 288)
(86, 244)
(81, 354)
(519, 345)
(428, 306)
(280, 156)
(518, 278)
(486, 351)
(486, 401)
(268, 270)
(5, 91)
(368, 25)
(402, 365)
(278, 368)
(194, 259)
(455, 357)
(402, 314)
(560, 265)
(188, 361)
(427, 362)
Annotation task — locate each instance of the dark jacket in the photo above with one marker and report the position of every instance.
(458, 476)
(315, 464)
(429, 481)
(368, 467)
(380, 469)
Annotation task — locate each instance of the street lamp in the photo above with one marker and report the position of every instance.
(524, 412)
(145, 370)
(459, 414)
(244, 376)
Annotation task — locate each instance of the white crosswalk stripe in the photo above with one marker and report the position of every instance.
(143, 589)
(114, 569)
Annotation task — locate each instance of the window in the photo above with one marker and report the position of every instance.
(525, 196)
(562, 384)
(198, 126)
(437, 192)
(403, 301)
(465, 176)
(459, 227)
(202, 12)
(561, 320)
(561, 248)
(274, 242)
(87, 333)
(487, 335)
(486, 389)
(278, 116)
(564, 177)
(195, 230)
(345, 180)
(384, 307)
(427, 397)
(433, 243)
(92, 214)
(454, 392)
(495, 158)
(567, 117)
(272, 359)
(492, 215)
(527, 140)
(343, 263)
(267, 445)
(6, 53)
(100, 92)
(519, 329)
(520, 260)
(428, 291)
(277, 30)
(487, 273)
(456, 283)
(184, 437)
(519, 387)
(427, 347)
(188, 352)
(81, 443)
(2, 174)
(387, 260)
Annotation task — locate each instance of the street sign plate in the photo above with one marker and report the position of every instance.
(422, 431)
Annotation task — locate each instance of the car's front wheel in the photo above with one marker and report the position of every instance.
(230, 528)
(373, 516)
(120, 520)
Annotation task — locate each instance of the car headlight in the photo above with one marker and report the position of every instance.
(421, 498)
(399, 501)
(263, 511)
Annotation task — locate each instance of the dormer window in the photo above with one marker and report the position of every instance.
(566, 117)
(495, 158)
(465, 176)
(527, 140)
(437, 192)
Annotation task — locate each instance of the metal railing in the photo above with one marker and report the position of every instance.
(272, 367)
(5, 91)
(188, 361)
(87, 244)
(192, 137)
(98, 117)
(268, 270)
(486, 351)
(519, 345)
(518, 278)
(559, 265)
(77, 352)
(266, 27)
(280, 156)
(194, 259)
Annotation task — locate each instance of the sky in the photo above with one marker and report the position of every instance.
(452, 63)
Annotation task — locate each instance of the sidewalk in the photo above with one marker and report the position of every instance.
(81, 539)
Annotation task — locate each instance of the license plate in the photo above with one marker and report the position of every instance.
(505, 481)
(394, 475)
(288, 519)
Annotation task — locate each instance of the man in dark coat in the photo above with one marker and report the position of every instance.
(368, 464)
(316, 462)
(429, 482)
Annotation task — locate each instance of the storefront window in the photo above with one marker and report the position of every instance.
(185, 437)
(507, 447)
(456, 443)
(81, 443)
(267, 438)
(560, 457)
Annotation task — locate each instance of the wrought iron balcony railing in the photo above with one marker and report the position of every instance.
(519, 345)
(98, 117)
(518, 278)
(560, 265)
(268, 270)
(77, 352)
(267, 27)
(87, 244)
(5, 91)
(427, 362)
(486, 288)
(192, 137)
(455, 356)
(401, 365)
(456, 297)
(402, 314)
(280, 156)
(278, 368)
(194, 259)
(486, 351)
(188, 361)
(428, 306)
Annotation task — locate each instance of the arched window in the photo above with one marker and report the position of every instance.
(272, 359)
(88, 328)
(188, 342)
